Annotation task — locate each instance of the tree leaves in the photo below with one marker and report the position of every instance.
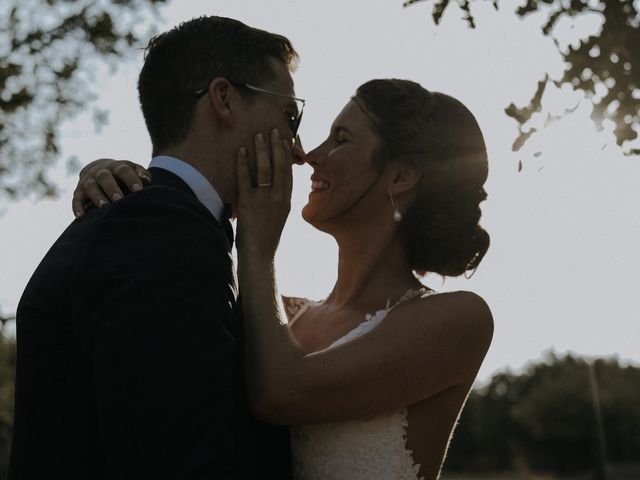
(48, 53)
(611, 70)
(440, 6)
(15, 101)
(543, 418)
(7, 395)
(522, 115)
(604, 63)
(609, 62)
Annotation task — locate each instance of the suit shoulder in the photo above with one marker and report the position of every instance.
(157, 204)
(156, 219)
(162, 196)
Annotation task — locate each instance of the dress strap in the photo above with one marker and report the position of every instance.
(409, 295)
(294, 307)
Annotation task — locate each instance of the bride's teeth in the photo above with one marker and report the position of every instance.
(319, 185)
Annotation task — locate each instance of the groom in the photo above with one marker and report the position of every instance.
(129, 332)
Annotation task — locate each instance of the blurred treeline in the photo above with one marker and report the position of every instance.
(562, 415)
(7, 376)
(545, 419)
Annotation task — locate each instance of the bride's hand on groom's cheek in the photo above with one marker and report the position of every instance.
(263, 205)
(98, 183)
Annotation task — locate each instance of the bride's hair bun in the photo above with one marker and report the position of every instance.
(439, 136)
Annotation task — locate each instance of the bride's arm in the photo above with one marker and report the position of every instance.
(421, 349)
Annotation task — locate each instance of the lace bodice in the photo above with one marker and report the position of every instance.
(371, 449)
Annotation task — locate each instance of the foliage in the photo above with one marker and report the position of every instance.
(48, 56)
(4, 319)
(605, 66)
(7, 376)
(484, 438)
(545, 418)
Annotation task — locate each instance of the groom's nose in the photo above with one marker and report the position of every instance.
(299, 155)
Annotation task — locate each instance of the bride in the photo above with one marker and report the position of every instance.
(371, 379)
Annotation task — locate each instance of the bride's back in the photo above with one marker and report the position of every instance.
(430, 423)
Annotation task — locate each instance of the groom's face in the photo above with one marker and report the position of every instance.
(265, 112)
(275, 105)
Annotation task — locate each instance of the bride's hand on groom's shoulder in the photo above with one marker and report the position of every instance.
(263, 204)
(98, 183)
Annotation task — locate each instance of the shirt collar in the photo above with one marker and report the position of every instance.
(197, 182)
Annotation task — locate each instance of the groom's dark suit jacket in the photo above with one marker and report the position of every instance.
(130, 351)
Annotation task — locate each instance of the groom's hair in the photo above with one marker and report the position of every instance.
(184, 60)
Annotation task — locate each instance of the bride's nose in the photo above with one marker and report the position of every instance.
(298, 153)
(316, 156)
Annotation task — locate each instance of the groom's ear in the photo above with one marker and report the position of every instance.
(220, 93)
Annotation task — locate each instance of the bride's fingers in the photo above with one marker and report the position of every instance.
(78, 201)
(143, 173)
(263, 164)
(290, 160)
(94, 192)
(130, 177)
(108, 184)
(282, 160)
(244, 177)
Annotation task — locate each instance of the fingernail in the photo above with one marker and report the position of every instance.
(137, 187)
(116, 197)
(275, 132)
(260, 137)
(146, 177)
(78, 214)
(243, 151)
(102, 203)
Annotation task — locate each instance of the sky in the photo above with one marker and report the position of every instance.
(561, 273)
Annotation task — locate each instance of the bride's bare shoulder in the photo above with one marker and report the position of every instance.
(462, 314)
(457, 302)
(461, 307)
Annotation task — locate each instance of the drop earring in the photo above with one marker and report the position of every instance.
(397, 216)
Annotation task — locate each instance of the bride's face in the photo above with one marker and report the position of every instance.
(343, 171)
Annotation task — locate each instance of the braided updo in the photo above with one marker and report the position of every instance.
(439, 136)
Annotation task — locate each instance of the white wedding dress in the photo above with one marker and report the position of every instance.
(371, 449)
